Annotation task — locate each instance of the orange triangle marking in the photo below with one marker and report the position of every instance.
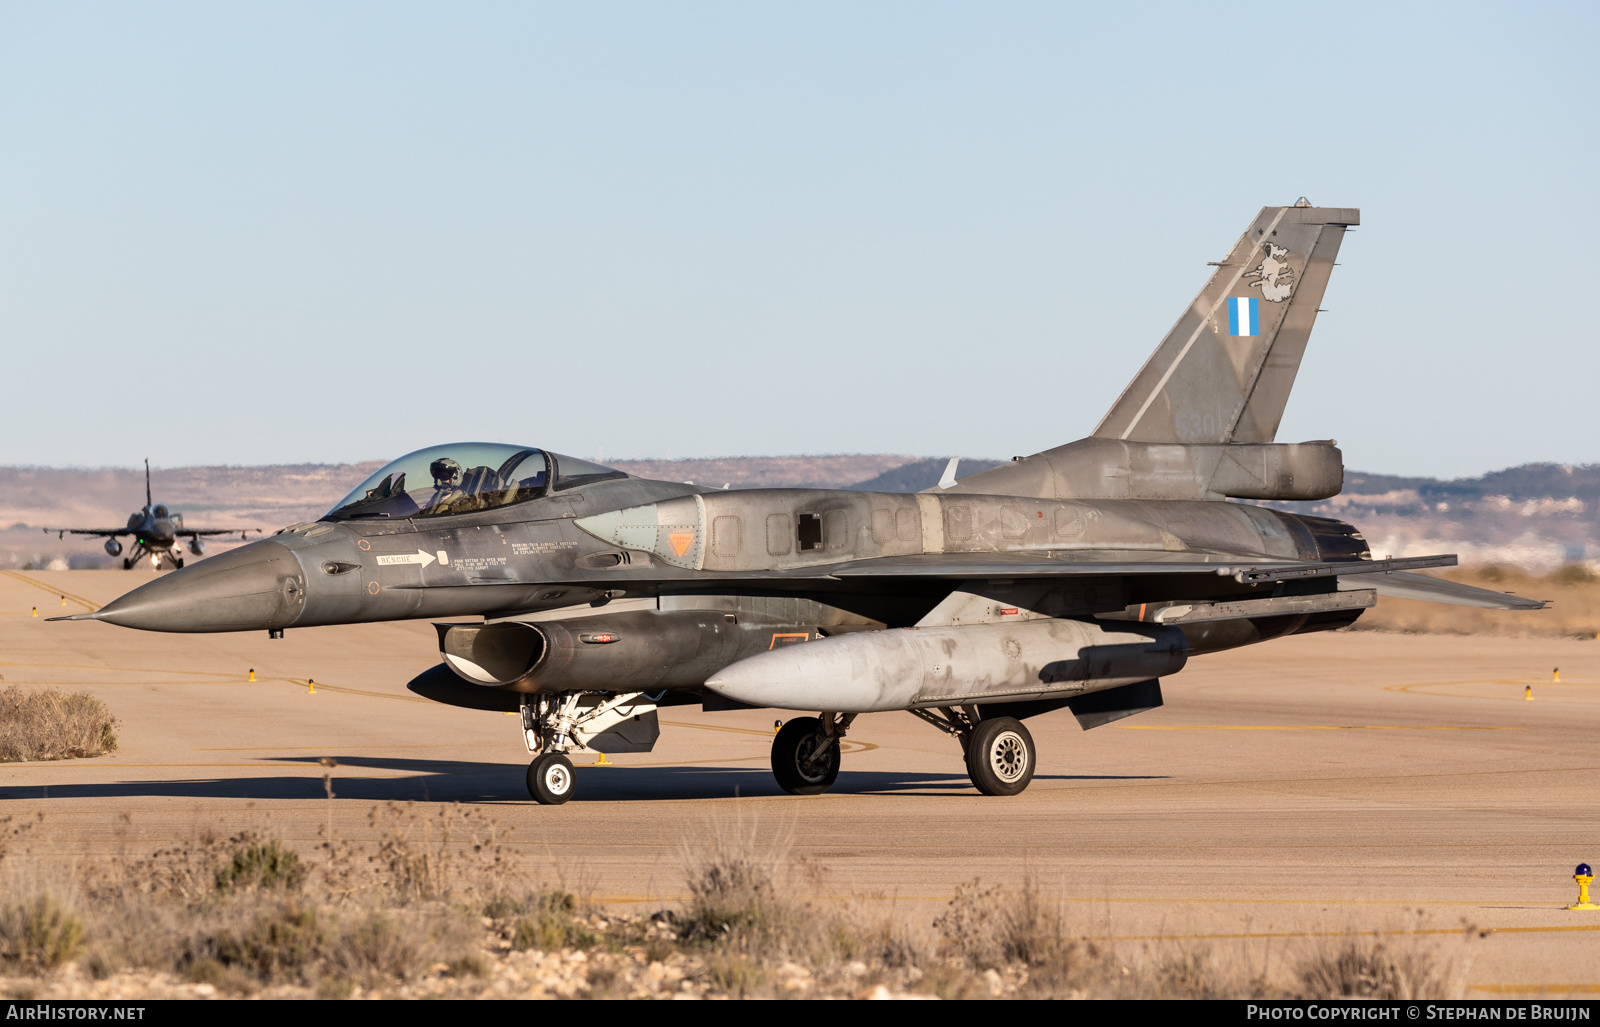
(681, 541)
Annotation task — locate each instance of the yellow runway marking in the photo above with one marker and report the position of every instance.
(86, 604)
(1422, 932)
(1514, 687)
(124, 670)
(1309, 727)
(331, 747)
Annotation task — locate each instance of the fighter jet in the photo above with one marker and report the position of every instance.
(156, 530)
(1077, 578)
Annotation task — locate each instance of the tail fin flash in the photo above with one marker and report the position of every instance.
(1224, 371)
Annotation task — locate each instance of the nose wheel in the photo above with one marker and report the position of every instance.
(550, 779)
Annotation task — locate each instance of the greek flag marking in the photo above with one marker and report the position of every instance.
(1244, 315)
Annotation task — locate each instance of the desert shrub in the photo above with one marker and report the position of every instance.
(38, 933)
(1369, 967)
(550, 920)
(51, 725)
(379, 947)
(268, 865)
(734, 974)
(231, 979)
(970, 926)
(449, 853)
(274, 946)
(732, 890)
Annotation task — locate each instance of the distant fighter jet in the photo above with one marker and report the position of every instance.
(1075, 578)
(155, 530)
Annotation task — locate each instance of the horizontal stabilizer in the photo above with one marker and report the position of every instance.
(1401, 585)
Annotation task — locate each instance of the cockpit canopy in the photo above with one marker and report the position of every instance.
(463, 477)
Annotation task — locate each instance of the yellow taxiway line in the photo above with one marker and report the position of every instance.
(19, 576)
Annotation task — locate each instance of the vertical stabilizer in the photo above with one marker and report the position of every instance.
(147, 499)
(1224, 371)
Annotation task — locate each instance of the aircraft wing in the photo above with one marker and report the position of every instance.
(102, 532)
(196, 532)
(938, 570)
(1401, 585)
(1116, 562)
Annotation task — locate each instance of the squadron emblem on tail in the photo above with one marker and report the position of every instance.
(1273, 275)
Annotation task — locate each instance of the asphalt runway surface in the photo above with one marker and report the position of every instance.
(1287, 792)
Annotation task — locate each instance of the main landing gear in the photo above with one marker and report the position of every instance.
(805, 753)
(999, 752)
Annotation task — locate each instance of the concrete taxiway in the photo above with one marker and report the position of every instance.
(1297, 789)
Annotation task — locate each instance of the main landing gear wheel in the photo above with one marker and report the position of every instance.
(127, 563)
(179, 561)
(1000, 756)
(550, 779)
(796, 762)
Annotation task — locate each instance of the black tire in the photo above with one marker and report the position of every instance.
(1000, 756)
(179, 561)
(550, 779)
(127, 563)
(796, 741)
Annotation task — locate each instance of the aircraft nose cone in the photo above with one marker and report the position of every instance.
(259, 585)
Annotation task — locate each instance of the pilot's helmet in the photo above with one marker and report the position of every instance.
(445, 471)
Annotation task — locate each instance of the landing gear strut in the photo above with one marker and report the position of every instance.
(555, 725)
(999, 752)
(805, 753)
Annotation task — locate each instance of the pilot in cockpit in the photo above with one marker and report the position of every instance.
(446, 484)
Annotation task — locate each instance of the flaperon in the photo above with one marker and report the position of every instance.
(1077, 577)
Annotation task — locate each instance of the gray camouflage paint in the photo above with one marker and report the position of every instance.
(1061, 554)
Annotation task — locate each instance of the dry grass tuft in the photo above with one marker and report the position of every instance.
(267, 864)
(1367, 966)
(430, 906)
(51, 725)
(38, 932)
(547, 921)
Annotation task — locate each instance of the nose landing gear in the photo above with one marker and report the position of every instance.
(550, 779)
(555, 725)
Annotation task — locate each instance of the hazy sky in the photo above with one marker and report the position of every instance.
(246, 233)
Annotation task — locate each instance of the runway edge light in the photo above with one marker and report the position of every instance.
(1583, 875)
